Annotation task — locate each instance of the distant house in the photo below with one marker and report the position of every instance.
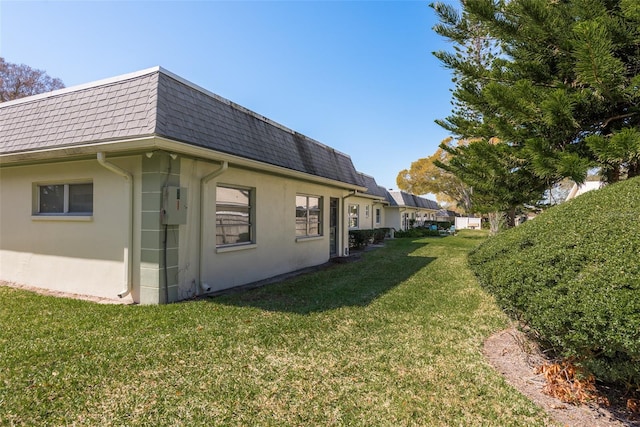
(445, 215)
(577, 190)
(471, 223)
(365, 210)
(407, 210)
(149, 187)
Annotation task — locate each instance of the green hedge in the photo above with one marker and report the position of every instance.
(573, 275)
(361, 238)
(417, 232)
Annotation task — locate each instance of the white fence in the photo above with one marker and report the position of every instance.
(464, 222)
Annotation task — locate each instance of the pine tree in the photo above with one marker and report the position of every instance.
(499, 179)
(566, 70)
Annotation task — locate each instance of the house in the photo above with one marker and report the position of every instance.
(468, 223)
(586, 186)
(407, 210)
(445, 215)
(365, 210)
(151, 188)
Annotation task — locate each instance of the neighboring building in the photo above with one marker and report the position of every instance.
(444, 215)
(471, 223)
(577, 190)
(365, 210)
(407, 210)
(152, 188)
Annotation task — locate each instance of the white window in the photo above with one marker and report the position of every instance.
(405, 221)
(65, 199)
(378, 216)
(234, 215)
(366, 211)
(308, 215)
(354, 213)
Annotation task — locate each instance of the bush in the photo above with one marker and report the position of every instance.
(572, 275)
(417, 232)
(358, 239)
(379, 234)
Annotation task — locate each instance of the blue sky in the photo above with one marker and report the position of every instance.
(358, 76)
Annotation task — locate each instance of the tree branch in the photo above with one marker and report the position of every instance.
(610, 119)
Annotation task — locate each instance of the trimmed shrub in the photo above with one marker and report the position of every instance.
(359, 238)
(379, 234)
(573, 276)
(417, 232)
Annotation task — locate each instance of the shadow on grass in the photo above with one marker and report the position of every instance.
(337, 285)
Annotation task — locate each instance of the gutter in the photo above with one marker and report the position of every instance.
(346, 224)
(152, 142)
(128, 252)
(203, 181)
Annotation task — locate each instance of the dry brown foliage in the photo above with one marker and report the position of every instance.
(569, 383)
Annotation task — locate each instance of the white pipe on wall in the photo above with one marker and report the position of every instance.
(345, 223)
(128, 252)
(203, 181)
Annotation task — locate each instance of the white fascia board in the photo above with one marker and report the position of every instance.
(370, 196)
(206, 153)
(152, 143)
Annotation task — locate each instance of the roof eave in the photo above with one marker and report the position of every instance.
(147, 143)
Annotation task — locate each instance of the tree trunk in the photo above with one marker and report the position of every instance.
(495, 220)
(511, 217)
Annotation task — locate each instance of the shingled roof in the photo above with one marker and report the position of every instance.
(402, 198)
(373, 189)
(155, 102)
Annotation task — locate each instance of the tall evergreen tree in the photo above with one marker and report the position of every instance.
(499, 179)
(566, 70)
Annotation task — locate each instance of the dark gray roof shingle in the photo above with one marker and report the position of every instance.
(157, 102)
(87, 115)
(402, 198)
(373, 189)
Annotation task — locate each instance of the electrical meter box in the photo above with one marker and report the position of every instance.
(174, 205)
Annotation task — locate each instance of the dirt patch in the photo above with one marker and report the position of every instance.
(516, 357)
(126, 300)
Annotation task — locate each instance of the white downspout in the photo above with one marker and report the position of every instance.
(346, 225)
(128, 252)
(203, 181)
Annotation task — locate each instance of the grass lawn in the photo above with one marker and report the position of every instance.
(392, 340)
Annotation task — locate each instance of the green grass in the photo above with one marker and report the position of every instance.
(392, 340)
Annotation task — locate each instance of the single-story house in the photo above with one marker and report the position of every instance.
(586, 186)
(446, 215)
(406, 210)
(468, 223)
(148, 187)
(365, 210)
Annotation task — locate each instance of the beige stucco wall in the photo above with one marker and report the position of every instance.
(70, 254)
(86, 255)
(276, 249)
(367, 222)
(392, 217)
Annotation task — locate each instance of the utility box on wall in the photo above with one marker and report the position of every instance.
(174, 205)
